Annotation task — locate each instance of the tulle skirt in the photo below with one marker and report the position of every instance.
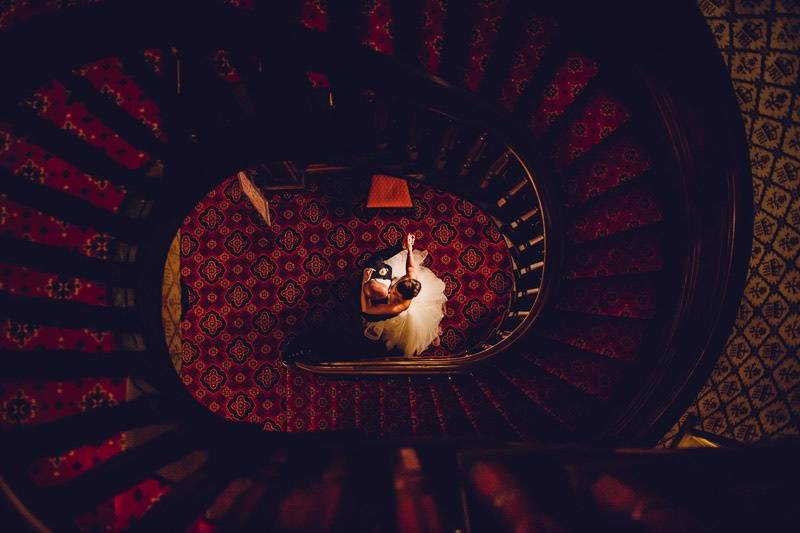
(416, 328)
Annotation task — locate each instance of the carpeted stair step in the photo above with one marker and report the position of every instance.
(30, 162)
(107, 110)
(121, 477)
(314, 15)
(560, 92)
(395, 407)
(158, 507)
(109, 78)
(571, 407)
(56, 427)
(487, 18)
(68, 208)
(53, 470)
(156, 72)
(624, 296)
(37, 336)
(54, 103)
(533, 40)
(617, 338)
(521, 411)
(377, 26)
(71, 263)
(368, 406)
(343, 404)
(457, 29)
(23, 281)
(597, 120)
(619, 161)
(322, 392)
(454, 419)
(310, 402)
(628, 253)
(624, 209)
(111, 160)
(120, 511)
(424, 416)
(434, 14)
(484, 416)
(593, 374)
(510, 32)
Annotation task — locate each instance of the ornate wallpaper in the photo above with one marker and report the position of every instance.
(753, 393)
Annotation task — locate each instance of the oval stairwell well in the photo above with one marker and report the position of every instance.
(584, 194)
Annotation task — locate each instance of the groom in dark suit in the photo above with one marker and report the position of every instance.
(332, 339)
(375, 291)
(377, 262)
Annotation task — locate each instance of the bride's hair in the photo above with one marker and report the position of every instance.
(408, 288)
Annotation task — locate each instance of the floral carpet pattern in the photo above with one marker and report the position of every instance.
(249, 289)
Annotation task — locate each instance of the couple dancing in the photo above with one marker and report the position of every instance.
(403, 312)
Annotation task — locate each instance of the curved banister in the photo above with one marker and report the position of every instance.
(481, 352)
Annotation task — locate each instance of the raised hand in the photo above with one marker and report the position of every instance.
(410, 241)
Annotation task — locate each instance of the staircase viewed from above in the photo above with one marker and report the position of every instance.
(591, 242)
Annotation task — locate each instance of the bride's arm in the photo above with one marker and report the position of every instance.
(411, 267)
(385, 309)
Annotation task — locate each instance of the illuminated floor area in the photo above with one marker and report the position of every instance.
(249, 289)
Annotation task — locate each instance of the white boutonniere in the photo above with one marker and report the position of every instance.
(383, 271)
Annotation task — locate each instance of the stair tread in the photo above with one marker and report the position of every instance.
(395, 407)
(618, 338)
(620, 296)
(621, 210)
(571, 407)
(621, 160)
(592, 373)
(536, 38)
(454, 419)
(485, 416)
(424, 419)
(630, 253)
(520, 410)
(599, 118)
(567, 83)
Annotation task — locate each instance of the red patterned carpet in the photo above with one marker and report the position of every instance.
(252, 288)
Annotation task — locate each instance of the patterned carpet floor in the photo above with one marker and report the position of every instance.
(249, 289)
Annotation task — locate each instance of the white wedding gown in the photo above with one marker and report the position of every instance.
(413, 330)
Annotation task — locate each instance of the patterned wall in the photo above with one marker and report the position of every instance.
(753, 393)
(171, 301)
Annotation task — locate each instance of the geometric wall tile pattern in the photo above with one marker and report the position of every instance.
(753, 393)
(171, 301)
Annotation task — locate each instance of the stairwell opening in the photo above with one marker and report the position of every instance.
(237, 292)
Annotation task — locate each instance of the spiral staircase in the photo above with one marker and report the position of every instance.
(614, 173)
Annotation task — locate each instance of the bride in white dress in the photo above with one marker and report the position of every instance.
(404, 313)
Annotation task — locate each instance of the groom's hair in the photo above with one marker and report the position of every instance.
(408, 288)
